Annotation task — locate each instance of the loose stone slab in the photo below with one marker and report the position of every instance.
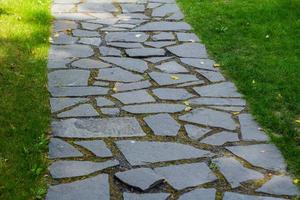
(71, 77)
(84, 110)
(164, 26)
(189, 50)
(147, 196)
(61, 149)
(234, 172)
(170, 79)
(68, 169)
(118, 74)
(125, 45)
(126, 37)
(210, 117)
(160, 44)
(212, 76)
(141, 178)
(132, 64)
(110, 111)
(132, 86)
(186, 175)
(195, 132)
(132, 8)
(109, 51)
(199, 194)
(172, 93)
(199, 63)
(92, 128)
(63, 38)
(218, 101)
(90, 41)
(102, 101)
(237, 196)
(187, 37)
(139, 96)
(163, 36)
(96, 7)
(85, 33)
(250, 129)
(154, 108)
(143, 153)
(145, 52)
(94, 188)
(70, 51)
(280, 185)
(58, 104)
(224, 89)
(221, 138)
(171, 67)
(97, 147)
(88, 63)
(162, 124)
(262, 155)
(77, 91)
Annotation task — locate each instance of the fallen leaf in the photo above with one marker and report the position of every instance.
(174, 77)
(217, 65)
(296, 181)
(235, 113)
(187, 103)
(188, 108)
(297, 121)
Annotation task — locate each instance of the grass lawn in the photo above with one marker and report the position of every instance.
(24, 116)
(257, 44)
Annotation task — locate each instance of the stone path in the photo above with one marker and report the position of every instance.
(141, 113)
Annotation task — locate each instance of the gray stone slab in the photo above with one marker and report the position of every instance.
(62, 38)
(176, 16)
(250, 129)
(234, 172)
(93, 188)
(141, 178)
(146, 196)
(154, 108)
(118, 74)
(280, 185)
(189, 50)
(71, 77)
(195, 132)
(172, 93)
(132, 8)
(164, 26)
(110, 111)
(87, 63)
(132, 64)
(262, 155)
(70, 51)
(187, 37)
(145, 52)
(104, 20)
(68, 169)
(186, 175)
(199, 63)
(85, 33)
(199, 194)
(91, 26)
(132, 16)
(77, 91)
(165, 10)
(238, 196)
(171, 67)
(58, 63)
(103, 101)
(224, 89)
(208, 117)
(193, 83)
(97, 147)
(144, 152)
(90, 41)
(63, 25)
(109, 51)
(127, 26)
(58, 104)
(162, 124)
(61, 149)
(126, 37)
(93, 128)
(72, 16)
(212, 76)
(221, 138)
(96, 7)
(83, 110)
(132, 86)
(157, 59)
(229, 108)
(125, 45)
(163, 36)
(139, 96)
(100, 83)
(171, 79)
(153, 5)
(218, 101)
(160, 44)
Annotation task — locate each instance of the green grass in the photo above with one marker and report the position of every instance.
(257, 43)
(24, 112)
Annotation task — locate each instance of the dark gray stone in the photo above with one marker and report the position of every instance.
(164, 10)
(96, 7)
(132, 64)
(85, 33)
(154, 108)
(218, 101)
(118, 74)
(63, 25)
(160, 44)
(171, 67)
(102, 101)
(70, 51)
(199, 63)
(110, 111)
(90, 41)
(189, 50)
(170, 79)
(186, 175)
(132, 86)
(97, 147)
(58, 104)
(208, 117)
(250, 129)
(221, 138)
(199, 194)
(61, 149)
(237, 196)
(87, 63)
(71, 77)
(109, 51)
(90, 26)
(145, 52)
(92, 128)
(139, 96)
(195, 132)
(132, 8)
(83, 110)
(172, 93)
(147, 196)
(187, 37)
(77, 91)
(62, 38)
(212, 76)
(224, 89)
(164, 26)
(163, 36)
(126, 37)
(125, 45)
(127, 26)
(162, 124)
(143, 153)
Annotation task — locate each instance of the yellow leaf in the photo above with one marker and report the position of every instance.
(297, 121)
(56, 35)
(296, 181)
(217, 65)
(174, 77)
(114, 89)
(187, 103)
(235, 113)
(188, 108)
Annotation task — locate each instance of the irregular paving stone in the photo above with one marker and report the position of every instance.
(132, 86)
(104, 20)
(93, 188)
(262, 155)
(63, 38)
(176, 16)
(234, 172)
(142, 153)
(172, 93)
(147, 196)
(153, 5)
(142, 178)
(90, 26)
(221, 138)
(88, 63)
(195, 132)
(190, 50)
(191, 83)
(63, 25)
(164, 26)
(224, 89)
(71, 77)
(58, 63)
(229, 108)
(118, 74)
(165, 10)
(154, 108)
(97, 147)
(162, 124)
(70, 51)
(128, 63)
(145, 52)
(160, 44)
(68, 169)
(102, 101)
(72, 16)
(91, 128)
(84, 110)
(77, 91)
(250, 129)
(170, 79)
(132, 16)
(218, 101)
(171, 67)
(61, 149)
(109, 51)
(126, 37)
(157, 59)
(212, 76)
(85, 33)
(96, 7)
(208, 117)
(125, 45)
(237, 196)
(113, 29)
(163, 36)
(90, 41)
(199, 63)
(186, 175)
(127, 26)
(187, 37)
(199, 194)
(110, 111)
(132, 8)
(61, 103)
(139, 96)
(280, 185)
